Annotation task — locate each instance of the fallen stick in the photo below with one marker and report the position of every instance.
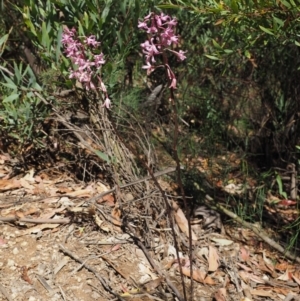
(209, 201)
(171, 285)
(10, 219)
(100, 278)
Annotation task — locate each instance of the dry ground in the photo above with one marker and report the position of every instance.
(55, 246)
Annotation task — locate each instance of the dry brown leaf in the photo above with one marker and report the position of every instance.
(283, 291)
(209, 280)
(29, 176)
(101, 224)
(282, 266)
(152, 284)
(220, 294)
(52, 212)
(268, 262)
(198, 275)
(9, 184)
(263, 267)
(248, 276)
(65, 190)
(82, 193)
(296, 279)
(41, 227)
(244, 275)
(244, 267)
(182, 221)
(244, 254)
(286, 276)
(24, 276)
(4, 158)
(22, 213)
(108, 199)
(213, 259)
(116, 216)
(256, 279)
(27, 185)
(116, 247)
(262, 293)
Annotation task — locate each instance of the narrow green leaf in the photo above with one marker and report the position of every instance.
(216, 44)
(278, 21)
(212, 57)
(17, 73)
(106, 11)
(9, 83)
(285, 3)
(58, 45)
(2, 42)
(280, 186)
(11, 97)
(102, 156)
(266, 30)
(45, 36)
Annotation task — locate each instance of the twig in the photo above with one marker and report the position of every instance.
(35, 221)
(257, 231)
(100, 278)
(154, 266)
(157, 174)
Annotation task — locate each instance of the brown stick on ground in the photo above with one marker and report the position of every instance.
(153, 264)
(100, 278)
(10, 219)
(209, 201)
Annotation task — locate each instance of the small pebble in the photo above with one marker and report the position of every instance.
(39, 247)
(24, 243)
(15, 251)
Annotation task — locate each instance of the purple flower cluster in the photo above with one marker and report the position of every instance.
(161, 36)
(88, 64)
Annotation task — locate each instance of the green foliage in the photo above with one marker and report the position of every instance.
(21, 110)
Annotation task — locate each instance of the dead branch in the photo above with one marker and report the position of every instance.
(154, 265)
(209, 201)
(100, 278)
(10, 219)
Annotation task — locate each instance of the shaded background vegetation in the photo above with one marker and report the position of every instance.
(238, 89)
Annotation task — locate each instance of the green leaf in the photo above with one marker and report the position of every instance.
(278, 21)
(266, 30)
(17, 73)
(212, 57)
(247, 54)
(234, 6)
(9, 83)
(11, 97)
(280, 186)
(2, 42)
(297, 43)
(218, 46)
(102, 156)
(106, 11)
(285, 3)
(45, 37)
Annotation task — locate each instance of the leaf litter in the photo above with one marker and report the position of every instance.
(33, 266)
